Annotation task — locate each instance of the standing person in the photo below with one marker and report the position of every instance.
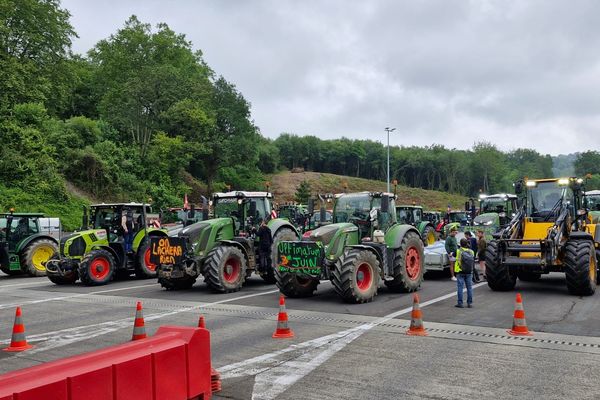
(481, 247)
(127, 225)
(265, 240)
(463, 267)
(473, 246)
(273, 212)
(451, 247)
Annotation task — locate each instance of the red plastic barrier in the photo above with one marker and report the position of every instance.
(173, 364)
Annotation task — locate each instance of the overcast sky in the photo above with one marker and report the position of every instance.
(515, 73)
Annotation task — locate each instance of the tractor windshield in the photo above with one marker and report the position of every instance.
(458, 217)
(593, 202)
(354, 207)
(493, 205)
(545, 199)
(234, 207)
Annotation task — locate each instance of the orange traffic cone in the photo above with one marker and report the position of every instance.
(201, 323)
(282, 331)
(18, 342)
(416, 319)
(139, 328)
(215, 380)
(519, 327)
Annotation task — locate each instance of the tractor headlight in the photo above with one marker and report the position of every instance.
(487, 223)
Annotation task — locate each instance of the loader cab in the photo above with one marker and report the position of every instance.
(545, 198)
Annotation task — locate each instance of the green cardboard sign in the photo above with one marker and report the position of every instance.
(303, 258)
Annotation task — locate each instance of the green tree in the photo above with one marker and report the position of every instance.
(587, 162)
(303, 192)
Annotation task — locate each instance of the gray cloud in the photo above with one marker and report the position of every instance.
(515, 73)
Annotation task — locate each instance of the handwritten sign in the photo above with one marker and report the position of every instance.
(166, 250)
(303, 258)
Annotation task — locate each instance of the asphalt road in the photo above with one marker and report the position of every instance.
(340, 351)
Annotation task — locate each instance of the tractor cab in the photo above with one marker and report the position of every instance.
(247, 209)
(411, 215)
(14, 227)
(495, 212)
(368, 211)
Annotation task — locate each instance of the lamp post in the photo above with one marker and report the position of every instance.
(388, 130)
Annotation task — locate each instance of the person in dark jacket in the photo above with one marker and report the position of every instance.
(128, 226)
(451, 246)
(473, 246)
(481, 248)
(265, 240)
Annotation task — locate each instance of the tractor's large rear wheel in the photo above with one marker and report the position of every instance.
(282, 235)
(97, 268)
(580, 267)
(409, 262)
(499, 276)
(429, 235)
(356, 276)
(145, 268)
(225, 269)
(36, 254)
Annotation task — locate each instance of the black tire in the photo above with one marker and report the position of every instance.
(410, 254)
(529, 276)
(356, 276)
(597, 267)
(97, 268)
(428, 232)
(499, 276)
(580, 267)
(216, 273)
(7, 271)
(293, 285)
(143, 268)
(31, 264)
(68, 279)
(177, 284)
(282, 235)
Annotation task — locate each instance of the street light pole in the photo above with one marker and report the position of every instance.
(388, 130)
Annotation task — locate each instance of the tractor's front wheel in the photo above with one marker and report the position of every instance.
(356, 276)
(580, 267)
(36, 254)
(145, 268)
(225, 269)
(97, 268)
(11, 272)
(177, 284)
(282, 235)
(429, 235)
(293, 285)
(409, 263)
(499, 276)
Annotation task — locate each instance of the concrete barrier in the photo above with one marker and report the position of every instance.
(173, 364)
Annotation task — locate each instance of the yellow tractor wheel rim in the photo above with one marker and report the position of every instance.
(430, 238)
(40, 255)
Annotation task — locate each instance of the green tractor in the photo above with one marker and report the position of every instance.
(97, 254)
(495, 213)
(297, 214)
(23, 246)
(413, 215)
(224, 250)
(363, 246)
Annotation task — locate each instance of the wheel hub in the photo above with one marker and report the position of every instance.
(364, 277)
(413, 263)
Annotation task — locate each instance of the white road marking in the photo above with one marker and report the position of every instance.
(47, 282)
(71, 296)
(276, 372)
(63, 337)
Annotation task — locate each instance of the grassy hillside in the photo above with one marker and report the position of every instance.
(284, 186)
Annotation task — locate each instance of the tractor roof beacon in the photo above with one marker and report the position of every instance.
(550, 232)
(97, 254)
(363, 246)
(225, 250)
(24, 247)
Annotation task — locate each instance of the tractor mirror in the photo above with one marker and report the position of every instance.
(84, 219)
(311, 206)
(518, 187)
(252, 210)
(323, 215)
(385, 203)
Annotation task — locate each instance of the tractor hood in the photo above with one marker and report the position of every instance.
(325, 233)
(486, 219)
